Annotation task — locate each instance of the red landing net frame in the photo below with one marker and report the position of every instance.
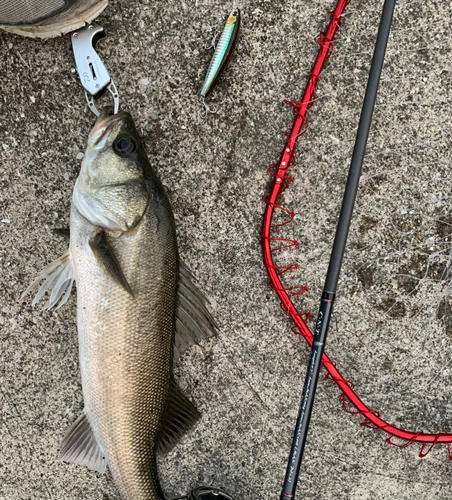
(281, 181)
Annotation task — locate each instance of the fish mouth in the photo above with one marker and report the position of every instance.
(103, 126)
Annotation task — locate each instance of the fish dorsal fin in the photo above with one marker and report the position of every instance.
(79, 446)
(180, 416)
(59, 277)
(107, 260)
(193, 321)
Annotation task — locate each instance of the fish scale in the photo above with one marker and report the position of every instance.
(125, 347)
(137, 308)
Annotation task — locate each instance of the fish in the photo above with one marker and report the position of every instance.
(138, 309)
(223, 52)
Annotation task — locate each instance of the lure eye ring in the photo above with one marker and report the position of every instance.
(124, 145)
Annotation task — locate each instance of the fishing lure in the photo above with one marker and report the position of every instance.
(223, 52)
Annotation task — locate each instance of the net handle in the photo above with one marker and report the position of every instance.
(281, 180)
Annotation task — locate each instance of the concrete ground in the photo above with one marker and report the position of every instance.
(392, 328)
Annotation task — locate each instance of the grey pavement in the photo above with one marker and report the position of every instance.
(391, 334)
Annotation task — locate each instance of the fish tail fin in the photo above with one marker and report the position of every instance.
(59, 277)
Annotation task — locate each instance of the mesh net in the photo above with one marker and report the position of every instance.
(391, 329)
(30, 11)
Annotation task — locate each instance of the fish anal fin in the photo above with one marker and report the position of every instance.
(193, 321)
(79, 446)
(180, 416)
(107, 260)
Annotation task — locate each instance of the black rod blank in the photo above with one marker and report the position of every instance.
(337, 254)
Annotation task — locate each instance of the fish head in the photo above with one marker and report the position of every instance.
(112, 155)
(111, 189)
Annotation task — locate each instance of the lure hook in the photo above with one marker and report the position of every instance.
(213, 43)
(207, 107)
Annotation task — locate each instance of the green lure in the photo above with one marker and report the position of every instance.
(223, 52)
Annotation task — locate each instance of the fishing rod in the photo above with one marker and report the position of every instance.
(337, 255)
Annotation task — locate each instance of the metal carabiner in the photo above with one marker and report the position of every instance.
(93, 74)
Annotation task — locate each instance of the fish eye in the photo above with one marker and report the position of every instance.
(124, 145)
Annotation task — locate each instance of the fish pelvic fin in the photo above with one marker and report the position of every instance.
(193, 320)
(59, 277)
(79, 446)
(180, 416)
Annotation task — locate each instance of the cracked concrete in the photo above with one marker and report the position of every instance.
(391, 333)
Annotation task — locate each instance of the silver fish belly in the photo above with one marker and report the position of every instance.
(125, 344)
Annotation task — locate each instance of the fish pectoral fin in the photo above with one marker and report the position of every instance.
(59, 277)
(180, 416)
(107, 260)
(193, 321)
(79, 446)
